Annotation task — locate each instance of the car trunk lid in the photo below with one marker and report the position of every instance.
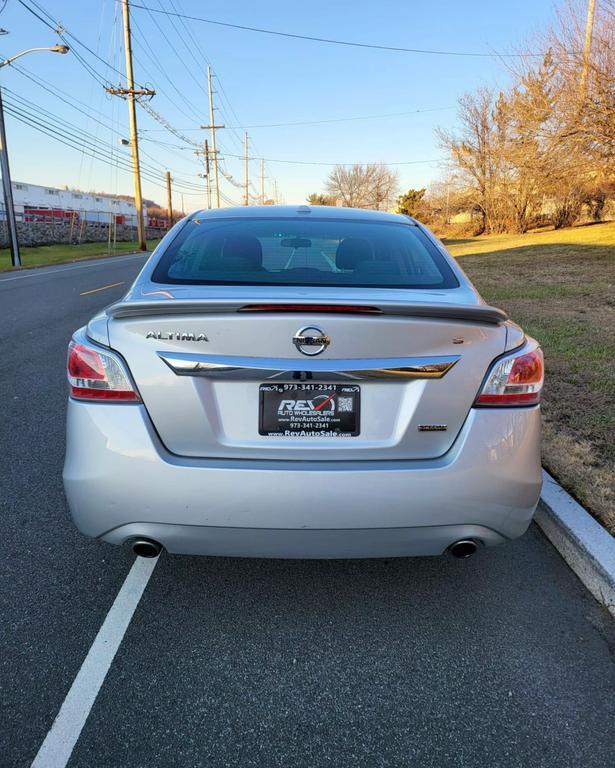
(202, 364)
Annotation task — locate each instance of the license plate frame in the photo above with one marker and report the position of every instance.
(301, 409)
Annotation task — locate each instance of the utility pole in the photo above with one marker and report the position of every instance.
(213, 127)
(183, 209)
(169, 201)
(130, 93)
(9, 207)
(262, 182)
(206, 175)
(246, 179)
(589, 29)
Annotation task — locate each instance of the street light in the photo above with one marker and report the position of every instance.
(11, 223)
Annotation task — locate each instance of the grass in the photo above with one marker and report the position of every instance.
(560, 286)
(56, 254)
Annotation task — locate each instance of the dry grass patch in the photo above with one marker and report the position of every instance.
(560, 286)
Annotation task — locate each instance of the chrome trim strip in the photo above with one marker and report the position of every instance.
(257, 368)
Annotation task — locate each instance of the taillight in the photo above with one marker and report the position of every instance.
(94, 374)
(514, 380)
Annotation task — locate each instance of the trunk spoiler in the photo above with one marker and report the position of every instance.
(479, 313)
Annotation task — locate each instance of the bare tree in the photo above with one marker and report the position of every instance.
(546, 147)
(587, 107)
(363, 186)
(473, 150)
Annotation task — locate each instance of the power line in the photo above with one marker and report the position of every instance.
(149, 108)
(168, 126)
(82, 159)
(333, 119)
(140, 38)
(90, 136)
(88, 144)
(308, 162)
(196, 46)
(72, 133)
(63, 33)
(332, 41)
(193, 47)
(316, 162)
(61, 95)
(345, 119)
(35, 122)
(189, 71)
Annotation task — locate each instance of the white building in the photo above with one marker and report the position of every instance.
(35, 203)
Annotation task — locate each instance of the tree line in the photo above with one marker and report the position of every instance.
(359, 186)
(543, 150)
(540, 152)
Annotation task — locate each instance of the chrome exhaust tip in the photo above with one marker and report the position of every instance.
(463, 549)
(146, 548)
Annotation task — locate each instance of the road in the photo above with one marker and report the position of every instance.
(502, 660)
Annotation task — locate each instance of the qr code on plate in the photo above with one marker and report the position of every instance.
(344, 404)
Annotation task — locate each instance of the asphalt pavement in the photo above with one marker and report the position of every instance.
(502, 660)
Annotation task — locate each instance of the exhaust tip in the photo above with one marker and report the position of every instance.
(146, 548)
(463, 549)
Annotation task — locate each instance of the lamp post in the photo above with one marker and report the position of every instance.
(9, 207)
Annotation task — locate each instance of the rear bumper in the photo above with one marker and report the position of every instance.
(121, 483)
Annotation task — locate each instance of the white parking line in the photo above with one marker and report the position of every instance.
(60, 741)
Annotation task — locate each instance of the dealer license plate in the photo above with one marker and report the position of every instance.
(305, 409)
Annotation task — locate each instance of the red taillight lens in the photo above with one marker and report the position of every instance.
(84, 363)
(94, 374)
(514, 380)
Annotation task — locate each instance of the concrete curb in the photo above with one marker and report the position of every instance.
(583, 543)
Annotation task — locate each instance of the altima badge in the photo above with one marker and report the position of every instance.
(311, 340)
(176, 336)
(433, 427)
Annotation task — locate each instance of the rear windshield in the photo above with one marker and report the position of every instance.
(301, 251)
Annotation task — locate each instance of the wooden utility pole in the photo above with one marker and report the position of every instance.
(589, 29)
(262, 182)
(130, 93)
(213, 127)
(246, 178)
(207, 174)
(9, 206)
(169, 201)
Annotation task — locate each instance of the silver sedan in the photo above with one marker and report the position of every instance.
(303, 382)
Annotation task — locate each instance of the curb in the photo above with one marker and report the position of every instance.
(583, 543)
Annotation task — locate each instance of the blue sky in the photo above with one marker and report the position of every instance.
(265, 80)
